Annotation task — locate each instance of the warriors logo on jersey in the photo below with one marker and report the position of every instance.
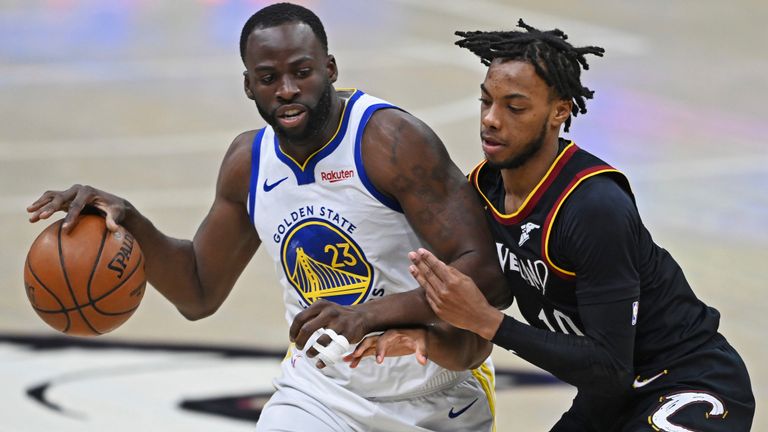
(322, 262)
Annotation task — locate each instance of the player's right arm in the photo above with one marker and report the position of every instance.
(197, 275)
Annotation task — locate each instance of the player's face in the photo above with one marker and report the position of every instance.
(290, 76)
(517, 113)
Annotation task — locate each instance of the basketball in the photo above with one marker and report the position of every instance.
(87, 282)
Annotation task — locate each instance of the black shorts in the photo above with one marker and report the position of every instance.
(707, 390)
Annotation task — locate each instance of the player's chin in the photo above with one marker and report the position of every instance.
(495, 159)
(294, 129)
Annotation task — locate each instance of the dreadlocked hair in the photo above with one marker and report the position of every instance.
(556, 61)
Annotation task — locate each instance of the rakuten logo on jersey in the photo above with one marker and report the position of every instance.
(336, 176)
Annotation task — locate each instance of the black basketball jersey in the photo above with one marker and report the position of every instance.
(545, 288)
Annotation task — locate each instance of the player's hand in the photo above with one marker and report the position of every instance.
(392, 343)
(453, 296)
(73, 201)
(346, 321)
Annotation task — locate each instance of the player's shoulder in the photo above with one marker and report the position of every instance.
(394, 124)
(239, 151)
(601, 189)
(599, 195)
(244, 140)
(236, 166)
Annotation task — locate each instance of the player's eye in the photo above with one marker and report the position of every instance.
(304, 72)
(484, 101)
(515, 109)
(267, 79)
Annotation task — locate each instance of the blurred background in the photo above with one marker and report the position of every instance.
(142, 98)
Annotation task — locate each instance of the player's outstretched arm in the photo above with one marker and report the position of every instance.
(600, 360)
(196, 276)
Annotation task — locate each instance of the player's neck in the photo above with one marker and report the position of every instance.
(301, 150)
(519, 182)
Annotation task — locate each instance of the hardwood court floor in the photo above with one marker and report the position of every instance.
(142, 98)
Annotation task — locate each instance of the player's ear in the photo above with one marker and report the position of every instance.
(333, 70)
(561, 111)
(247, 85)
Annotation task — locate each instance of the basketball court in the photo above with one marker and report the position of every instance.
(142, 98)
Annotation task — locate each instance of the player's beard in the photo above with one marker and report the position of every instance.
(317, 117)
(529, 150)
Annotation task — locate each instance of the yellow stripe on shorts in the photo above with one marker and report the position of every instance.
(486, 379)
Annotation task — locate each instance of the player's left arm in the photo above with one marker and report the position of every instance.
(598, 237)
(406, 161)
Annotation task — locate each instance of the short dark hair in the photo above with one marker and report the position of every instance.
(281, 13)
(556, 61)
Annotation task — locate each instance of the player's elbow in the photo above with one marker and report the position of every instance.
(497, 292)
(198, 310)
(494, 287)
(482, 353)
(473, 357)
(193, 314)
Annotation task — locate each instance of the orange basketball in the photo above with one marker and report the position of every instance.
(87, 282)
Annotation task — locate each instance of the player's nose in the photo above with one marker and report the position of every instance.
(288, 89)
(489, 118)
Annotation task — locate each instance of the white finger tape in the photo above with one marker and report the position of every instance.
(313, 339)
(336, 349)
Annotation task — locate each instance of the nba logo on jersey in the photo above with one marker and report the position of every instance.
(322, 261)
(635, 307)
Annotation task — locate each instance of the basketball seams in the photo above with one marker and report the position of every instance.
(95, 265)
(69, 285)
(62, 310)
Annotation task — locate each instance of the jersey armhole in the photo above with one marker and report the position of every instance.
(550, 220)
(387, 201)
(255, 153)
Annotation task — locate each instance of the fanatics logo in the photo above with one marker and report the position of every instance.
(527, 228)
(336, 176)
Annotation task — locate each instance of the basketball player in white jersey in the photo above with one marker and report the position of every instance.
(339, 187)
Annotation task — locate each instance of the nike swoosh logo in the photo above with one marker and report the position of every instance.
(269, 187)
(638, 383)
(452, 414)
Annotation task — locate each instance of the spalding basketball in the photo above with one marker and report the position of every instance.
(87, 282)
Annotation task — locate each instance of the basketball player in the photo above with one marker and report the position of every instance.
(338, 187)
(609, 311)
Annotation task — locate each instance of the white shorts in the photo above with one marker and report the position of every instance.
(467, 406)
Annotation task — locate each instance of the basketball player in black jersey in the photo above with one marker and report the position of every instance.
(609, 311)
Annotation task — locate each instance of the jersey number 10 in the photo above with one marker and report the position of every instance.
(563, 321)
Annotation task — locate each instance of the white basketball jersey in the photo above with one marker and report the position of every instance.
(334, 236)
